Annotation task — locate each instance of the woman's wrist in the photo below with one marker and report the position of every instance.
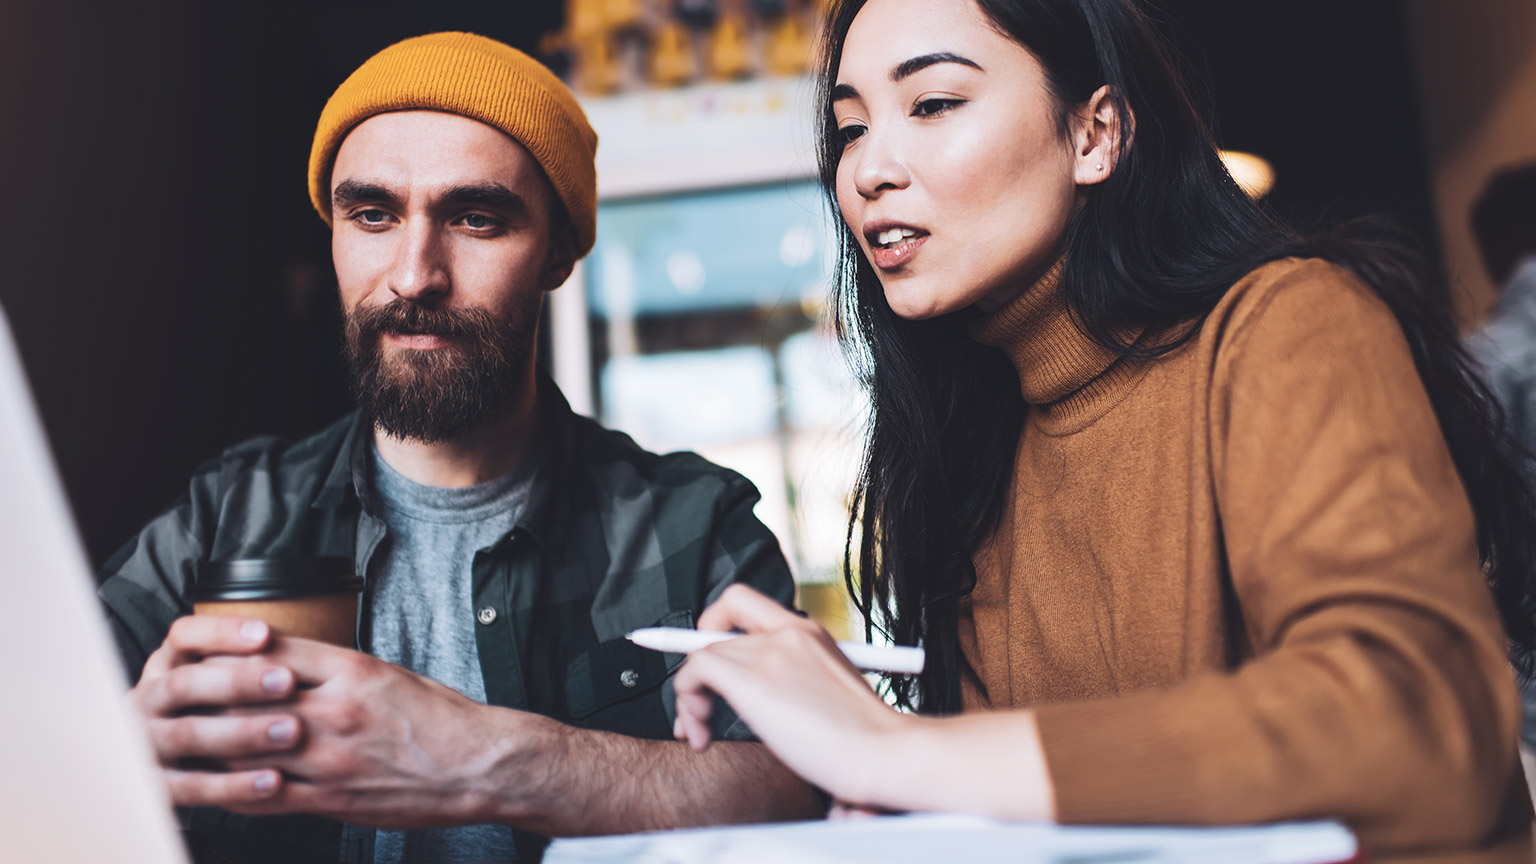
(880, 769)
(989, 762)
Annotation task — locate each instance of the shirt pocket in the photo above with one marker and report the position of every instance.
(616, 685)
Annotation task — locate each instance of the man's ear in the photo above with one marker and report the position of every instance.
(562, 256)
(1097, 130)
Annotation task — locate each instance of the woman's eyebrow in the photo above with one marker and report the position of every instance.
(909, 67)
(916, 64)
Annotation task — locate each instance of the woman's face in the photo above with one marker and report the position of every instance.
(955, 177)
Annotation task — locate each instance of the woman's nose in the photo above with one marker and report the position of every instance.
(880, 166)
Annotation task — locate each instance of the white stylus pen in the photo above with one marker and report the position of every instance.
(871, 658)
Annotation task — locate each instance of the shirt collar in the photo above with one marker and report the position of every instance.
(348, 470)
(556, 472)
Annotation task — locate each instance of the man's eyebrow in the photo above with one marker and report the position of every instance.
(492, 195)
(351, 192)
(916, 64)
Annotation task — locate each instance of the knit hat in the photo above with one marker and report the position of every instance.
(478, 78)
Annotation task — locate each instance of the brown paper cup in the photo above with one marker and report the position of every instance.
(312, 598)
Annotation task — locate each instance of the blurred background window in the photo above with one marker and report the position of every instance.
(699, 320)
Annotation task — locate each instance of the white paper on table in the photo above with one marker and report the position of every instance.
(925, 838)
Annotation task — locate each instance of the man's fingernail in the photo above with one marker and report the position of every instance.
(253, 631)
(266, 781)
(275, 680)
(283, 731)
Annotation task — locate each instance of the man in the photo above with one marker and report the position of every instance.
(508, 544)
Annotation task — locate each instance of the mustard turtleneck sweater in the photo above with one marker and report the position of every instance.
(1240, 583)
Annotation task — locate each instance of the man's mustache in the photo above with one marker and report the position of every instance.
(405, 317)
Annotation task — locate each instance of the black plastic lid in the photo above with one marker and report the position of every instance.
(274, 579)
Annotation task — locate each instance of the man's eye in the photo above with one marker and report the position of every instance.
(371, 217)
(851, 133)
(933, 107)
(479, 221)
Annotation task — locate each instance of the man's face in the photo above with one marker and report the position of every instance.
(443, 248)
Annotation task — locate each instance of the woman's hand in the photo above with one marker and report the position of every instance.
(787, 679)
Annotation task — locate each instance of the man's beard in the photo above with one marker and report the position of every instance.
(436, 394)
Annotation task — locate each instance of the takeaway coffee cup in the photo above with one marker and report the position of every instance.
(314, 598)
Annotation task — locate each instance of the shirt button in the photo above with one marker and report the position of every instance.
(629, 677)
(487, 615)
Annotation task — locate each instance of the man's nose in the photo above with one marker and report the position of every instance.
(420, 272)
(880, 166)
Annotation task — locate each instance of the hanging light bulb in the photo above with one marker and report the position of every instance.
(1253, 174)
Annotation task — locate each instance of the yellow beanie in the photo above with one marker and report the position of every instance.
(478, 78)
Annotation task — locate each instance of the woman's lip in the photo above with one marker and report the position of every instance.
(890, 259)
(415, 341)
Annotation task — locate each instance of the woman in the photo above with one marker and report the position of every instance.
(1211, 508)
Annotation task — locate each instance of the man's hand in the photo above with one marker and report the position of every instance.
(379, 745)
(382, 745)
(211, 662)
(386, 747)
(303, 726)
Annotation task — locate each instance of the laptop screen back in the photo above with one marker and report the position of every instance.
(77, 779)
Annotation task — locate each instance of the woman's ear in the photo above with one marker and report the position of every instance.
(1097, 128)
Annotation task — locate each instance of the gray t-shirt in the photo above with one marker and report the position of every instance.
(423, 617)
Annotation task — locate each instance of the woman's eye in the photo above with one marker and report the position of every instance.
(851, 133)
(932, 107)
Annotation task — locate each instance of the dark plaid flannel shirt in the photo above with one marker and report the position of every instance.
(612, 538)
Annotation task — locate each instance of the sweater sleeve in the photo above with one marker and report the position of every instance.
(1378, 690)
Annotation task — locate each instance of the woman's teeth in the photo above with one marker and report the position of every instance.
(894, 237)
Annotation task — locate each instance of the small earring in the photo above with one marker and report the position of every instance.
(1099, 167)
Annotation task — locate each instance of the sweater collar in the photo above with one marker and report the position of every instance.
(1068, 377)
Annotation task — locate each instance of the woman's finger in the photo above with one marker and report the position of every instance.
(701, 677)
(694, 709)
(697, 704)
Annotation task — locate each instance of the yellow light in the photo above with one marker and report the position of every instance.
(1254, 175)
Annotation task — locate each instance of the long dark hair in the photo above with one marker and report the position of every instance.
(1155, 246)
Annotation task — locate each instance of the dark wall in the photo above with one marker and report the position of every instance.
(1325, 91)
(172, 290)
